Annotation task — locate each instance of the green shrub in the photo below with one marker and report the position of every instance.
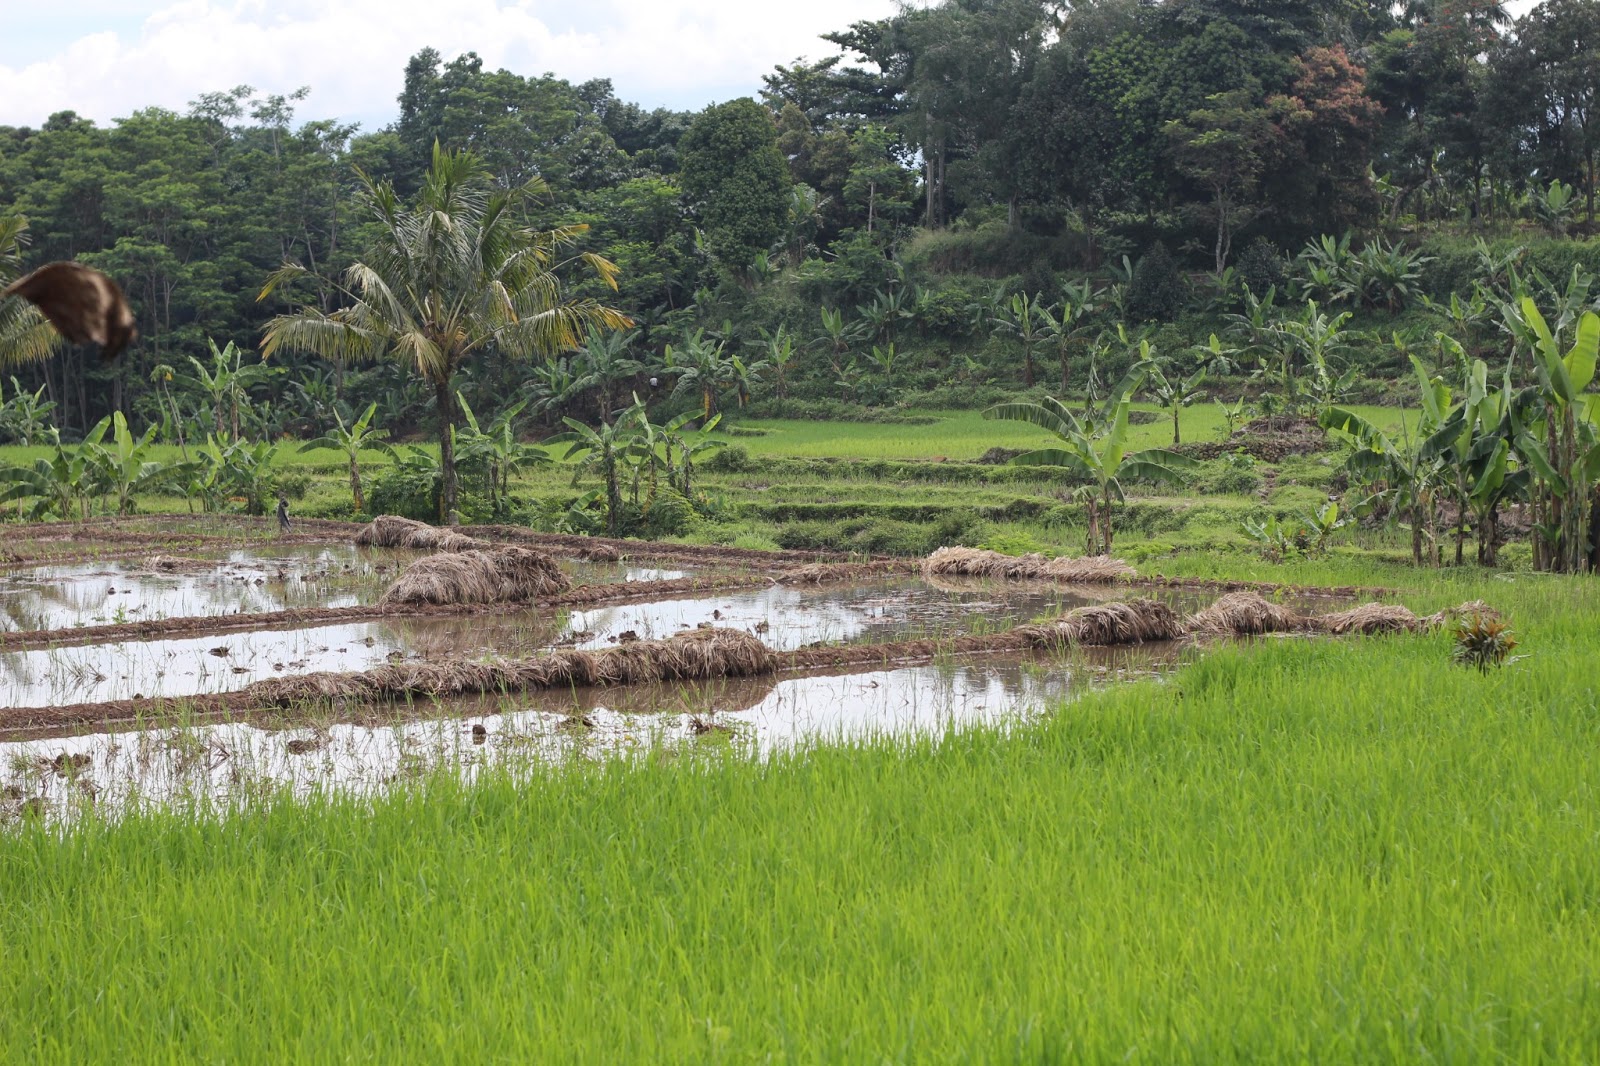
(884, 536)
(1263, 266)
(405, 491)
(667, 514)
(730, 460)
(1157, 290)
(293, 484)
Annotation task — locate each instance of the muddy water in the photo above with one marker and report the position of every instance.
(109, 592)
(222, 766)
(784, 618)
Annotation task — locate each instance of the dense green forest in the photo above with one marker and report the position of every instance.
(988, 139)
(1285, 205)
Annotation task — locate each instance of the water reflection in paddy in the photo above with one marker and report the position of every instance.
(229, 763)
(238, 582)
(785, 618)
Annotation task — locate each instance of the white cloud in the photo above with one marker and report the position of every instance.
(353, 52)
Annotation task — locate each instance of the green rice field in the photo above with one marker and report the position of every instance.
(1329, 851)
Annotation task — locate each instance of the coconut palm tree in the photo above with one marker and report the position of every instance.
(455, 273)
(25, 335)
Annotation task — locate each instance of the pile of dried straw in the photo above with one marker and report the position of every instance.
(977, 562)
(825, 573)
(1370, 618)
(692, 656)
(1244, 614)
(493, 576)
(392, 531)
(1130, 622)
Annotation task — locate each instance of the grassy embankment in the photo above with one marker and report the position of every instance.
(880, 487)
(1291, 851)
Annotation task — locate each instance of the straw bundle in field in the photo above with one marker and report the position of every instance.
(1131, 622)
(392, 531)
(1089, 570)
(1370, 618)
(978, 562)
(1451, 615)
(826, 573)
(697, 655)
(493, 576)
(1246, 614)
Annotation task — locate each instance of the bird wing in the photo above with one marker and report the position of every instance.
(83, 304)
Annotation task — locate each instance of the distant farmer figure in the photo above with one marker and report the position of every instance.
(283, 513)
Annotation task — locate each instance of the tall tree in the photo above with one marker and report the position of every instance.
(737, 179)
(456, 272)
(1225, 146)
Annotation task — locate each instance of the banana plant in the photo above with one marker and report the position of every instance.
(781, 351)
(837, 336)
(1398, 473)
(1474, 440)
(606, 450)
(61, 485)
(227, 382)
(1099, 455)
(603, 364)
(1020, 318)
(1066, 329)
(24, 417)
(352, 440)
(1174, 393)
(1558, 438)
(705, 368)
(1310, 341)
(232, 469)
(124, 468)
(675, 436)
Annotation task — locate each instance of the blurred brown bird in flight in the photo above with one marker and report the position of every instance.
(82, 304)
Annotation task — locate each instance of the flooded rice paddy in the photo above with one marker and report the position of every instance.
(783, 617)
(237, 582)
(223, 763)
(226, 764)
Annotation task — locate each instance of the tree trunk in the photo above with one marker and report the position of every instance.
(613, 494)
(447, 451)
(355, 485)
(1489, 537)
(1175, 438)
(1027, 364)
(1594, 529)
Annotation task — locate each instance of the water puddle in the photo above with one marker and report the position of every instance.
(228, 764)
(237, 582)
(117, 591)
(784, 618)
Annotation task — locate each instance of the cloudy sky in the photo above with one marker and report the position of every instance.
(105, 58)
